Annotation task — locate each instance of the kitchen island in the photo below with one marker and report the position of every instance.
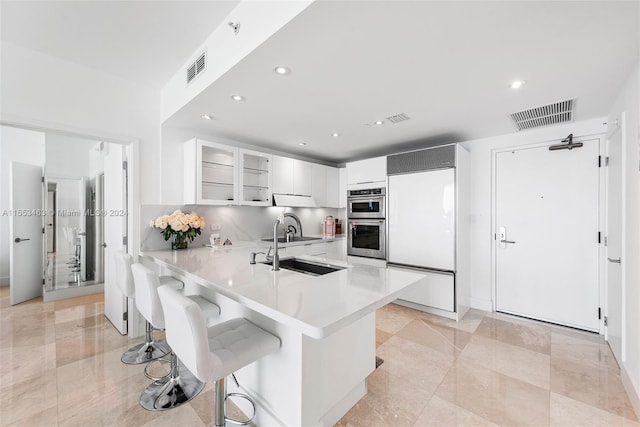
(326, 325)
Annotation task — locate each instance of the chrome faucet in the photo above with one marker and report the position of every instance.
(296, 219)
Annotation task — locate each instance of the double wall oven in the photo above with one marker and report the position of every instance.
(366, 221)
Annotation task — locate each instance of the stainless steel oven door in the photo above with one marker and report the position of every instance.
(366, 207)
(367, 238)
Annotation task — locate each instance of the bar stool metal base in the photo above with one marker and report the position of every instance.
(180, 387)
(147, 351)
(220, 404)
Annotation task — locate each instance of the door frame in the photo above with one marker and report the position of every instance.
(601, 215)
(132, 148)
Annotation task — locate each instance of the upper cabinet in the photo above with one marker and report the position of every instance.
(326, 186)
(218, 174)
(291, 176)
(367, 171)
(255, 178)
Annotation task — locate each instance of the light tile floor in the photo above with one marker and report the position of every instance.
(62, 368)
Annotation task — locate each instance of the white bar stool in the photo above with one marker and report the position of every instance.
(213, 352)
(180, 385)
(150, 349)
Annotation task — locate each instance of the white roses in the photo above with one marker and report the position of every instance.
(180, 224)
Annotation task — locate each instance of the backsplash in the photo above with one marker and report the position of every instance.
(237, 223)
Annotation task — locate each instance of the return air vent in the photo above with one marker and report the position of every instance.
(551, 114)
(398, 118)
(197, 67)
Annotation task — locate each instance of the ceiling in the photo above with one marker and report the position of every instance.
(145, 42)
(445, 64)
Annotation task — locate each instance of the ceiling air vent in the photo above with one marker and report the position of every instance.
(398, 118)
(198, 66)
(546, 115)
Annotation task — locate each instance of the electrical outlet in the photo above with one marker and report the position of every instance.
(215, 227)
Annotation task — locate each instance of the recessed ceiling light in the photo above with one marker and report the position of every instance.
(378, 122)
(517, 84)
(282, 70)
(302, 144)
(335, 134)
(207, 117)
(238, 98)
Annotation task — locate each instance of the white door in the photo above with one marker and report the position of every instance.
(26, 252)
(546, 239)
(614, 239)
(115, 223)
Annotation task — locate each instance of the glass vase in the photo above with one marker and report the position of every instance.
(179, 243)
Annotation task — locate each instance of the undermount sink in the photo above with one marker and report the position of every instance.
(294, 239)
(307, 267)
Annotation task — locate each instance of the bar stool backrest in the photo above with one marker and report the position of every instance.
(186, 333)
(147, 300)
(124, 277)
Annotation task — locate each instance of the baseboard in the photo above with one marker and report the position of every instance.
(4, 281)
(76, 291)
(481, 304)
(632, 391)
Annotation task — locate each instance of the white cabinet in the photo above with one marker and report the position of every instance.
(217, 174)
(436, 290)
(210, 175)
(333, 187)
(255, 176)
(291, 176)
(313, 249)
(342, 188)
(367, 171)
(337, 250)
(319, 184)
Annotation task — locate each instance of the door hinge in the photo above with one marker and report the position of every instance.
(125, 316)
(606, 241)
(43, 281)
(606, 321)
(125, 240)
(606, 161)
(599, 237)
(125, 165)
(599, 313)
(599, 161)
(43, 179)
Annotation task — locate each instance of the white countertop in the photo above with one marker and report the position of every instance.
(315, 305)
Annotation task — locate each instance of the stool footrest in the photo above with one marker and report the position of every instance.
(237, 421)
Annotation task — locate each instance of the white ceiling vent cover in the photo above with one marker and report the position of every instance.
(398, 118)
(197, 67)
(546, 115)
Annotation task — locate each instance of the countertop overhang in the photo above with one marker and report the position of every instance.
(315, 305)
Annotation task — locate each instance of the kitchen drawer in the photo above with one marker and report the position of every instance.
(436, 290)
(314, 249)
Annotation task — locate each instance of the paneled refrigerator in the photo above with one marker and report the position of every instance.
(428, 226)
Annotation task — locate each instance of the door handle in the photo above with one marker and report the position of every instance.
(104, 245)
(615, 261)
(18, 240)
(502, 235)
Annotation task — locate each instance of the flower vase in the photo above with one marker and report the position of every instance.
(179, 243)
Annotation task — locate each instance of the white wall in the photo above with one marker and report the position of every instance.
(22, 146)
(46, 92)
(67, 156)
(481, 202)
(628, 101)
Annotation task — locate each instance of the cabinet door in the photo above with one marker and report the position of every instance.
(436, 290)
(302, 178)
(332, 187)
(255, 178)
(337, 250)
(342, 188)
(216, 177)
(282, 175)
(319, 184)
(367, 171)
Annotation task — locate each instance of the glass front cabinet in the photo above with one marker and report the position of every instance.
(255, 178)
(218, 174)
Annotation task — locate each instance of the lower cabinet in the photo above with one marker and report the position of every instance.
(332, 250)
(337, 250)
(436, 290)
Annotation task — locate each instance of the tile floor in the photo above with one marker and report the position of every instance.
(62, 368)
